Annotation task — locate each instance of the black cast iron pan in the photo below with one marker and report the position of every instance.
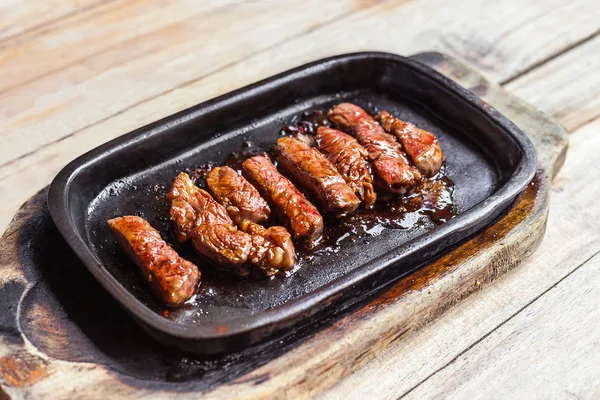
(487, 157)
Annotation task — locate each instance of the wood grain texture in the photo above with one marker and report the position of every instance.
(97, 67)
(349, 342)
(567, 88)
(571, 238)
(93, 33)
(28, 17)
(116, 77)
(529, 355)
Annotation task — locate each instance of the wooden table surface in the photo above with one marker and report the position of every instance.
(76, 73)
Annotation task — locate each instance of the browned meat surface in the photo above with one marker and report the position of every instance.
(420, 145)
(293, 209)
(241, 200)
(173, 279)
(224, 245)
(350, 159)
(393, 171)
(313, 171)
(214, 236)
(192, 206)
(273, 248)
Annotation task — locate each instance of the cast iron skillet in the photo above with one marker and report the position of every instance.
(489, 159)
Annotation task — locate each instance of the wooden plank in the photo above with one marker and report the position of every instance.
(304, 369)
(420, 30)
(108, 28)
(571, 238)
(549, 350)
(20, 17)
(567, 88)
(74, 39)
(92, 76)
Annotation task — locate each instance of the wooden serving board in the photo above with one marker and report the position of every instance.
(63, 336)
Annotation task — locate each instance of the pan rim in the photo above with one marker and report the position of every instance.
(58, 205)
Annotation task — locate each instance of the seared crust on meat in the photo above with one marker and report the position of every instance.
(214, 236)
(241, 200)
(420, 145)
(192, 206)
(224, 245)
(313, 171)
(393, 171)
(350, 159)
(173, 279)
(289, 203)
(270, 250)
(273, 248)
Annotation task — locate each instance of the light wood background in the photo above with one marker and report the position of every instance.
(76, 73)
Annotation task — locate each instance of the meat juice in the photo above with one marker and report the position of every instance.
(430, 203)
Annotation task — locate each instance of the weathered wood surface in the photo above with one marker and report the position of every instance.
(311, 362)
(503, 39)
(30, 17)
(524, 353)
(93, 77)
(193, 40)
(567, 88)
(572, 237)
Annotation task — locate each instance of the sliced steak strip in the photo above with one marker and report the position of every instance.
(420, 145)
(241, 200)
(173, 279)
(311, 169)
(393, 171)
(350, 159)
(273, 248)
(292, 208)
(192, 206)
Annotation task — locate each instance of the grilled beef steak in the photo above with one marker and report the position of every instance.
(216, 238)
(393, 171)
(172, 278)
(350, 159)
(191, 206)
(291, 206)
(311, 169)
(420, 145)
(241, 200)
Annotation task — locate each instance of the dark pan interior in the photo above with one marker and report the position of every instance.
(133, 174)
(223, 298)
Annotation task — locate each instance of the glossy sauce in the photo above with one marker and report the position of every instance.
(429, 203)
(308, 124)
